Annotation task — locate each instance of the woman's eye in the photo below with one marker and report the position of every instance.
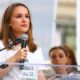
(27, 16)
(61, 56)
(18, 16)
(53, 57)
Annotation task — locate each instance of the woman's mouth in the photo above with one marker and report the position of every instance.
(24, 25)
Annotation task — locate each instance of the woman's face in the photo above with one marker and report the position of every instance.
(19, 22)
(58, 56)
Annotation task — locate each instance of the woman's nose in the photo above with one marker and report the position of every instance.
(57, 58)
(23, 19)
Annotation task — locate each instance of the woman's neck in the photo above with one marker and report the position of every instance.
(17, 35)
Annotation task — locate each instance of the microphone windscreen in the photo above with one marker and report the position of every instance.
(24, 37)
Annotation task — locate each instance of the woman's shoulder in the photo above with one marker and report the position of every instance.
(49, 73)
(72, 75)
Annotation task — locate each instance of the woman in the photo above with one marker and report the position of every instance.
(59, 58)
(16, 22)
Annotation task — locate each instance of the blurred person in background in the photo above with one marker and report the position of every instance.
(60, 56)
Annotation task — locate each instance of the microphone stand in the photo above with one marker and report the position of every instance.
(9, 46)
(18, 40)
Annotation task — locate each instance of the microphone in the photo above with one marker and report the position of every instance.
(24, 39)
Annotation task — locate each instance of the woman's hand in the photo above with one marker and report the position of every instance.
(21, 54)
